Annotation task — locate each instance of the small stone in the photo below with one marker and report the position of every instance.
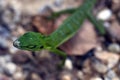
(21, 57)
(20, 30)
(87, 67)
(80, 75)
(2, 61)
(114, 48)
(96, 78)
(108, 57)
(106, 24)
(58, 2)
(44, 54)
(115, 1)
(68, 64)
(11, 67)
(116, 78)
(7, 16)
(13, 50)
(7, 58)
(35, 76)
(66, 77)
(115, 5)
(111, 75)
(114, 30)
(3, 41)
(98, 48)
(104, 14)
(4, 77)
(18, 76)
(99, 66)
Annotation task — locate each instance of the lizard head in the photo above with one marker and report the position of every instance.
(30, 41)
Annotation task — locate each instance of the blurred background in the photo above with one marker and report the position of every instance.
(90, 56)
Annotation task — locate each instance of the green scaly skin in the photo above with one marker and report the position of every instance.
(33, 41)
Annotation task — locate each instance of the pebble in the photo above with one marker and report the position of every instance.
(106, 24)
(44, 54)
(35, 76)
(116, 1)
(115, 5)
(4, 77)
(7, 16)
(4, 33)
(111, 75)
(99, 48)
(114, 48)
(80, 75)
(21, 57)
(3, 41)
(3, 64)
(2, 4)
(2, 61)
(7, 58)
(96, 78)
(99, 66)
(18, 76)
(68, 64)
(109, 57)
(10, 67)
(13, 50)
(66, 77)
(104, 14)
(116, 78)
(58, 2)
(114, 30)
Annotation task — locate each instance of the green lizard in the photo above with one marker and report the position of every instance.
(34, 41)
